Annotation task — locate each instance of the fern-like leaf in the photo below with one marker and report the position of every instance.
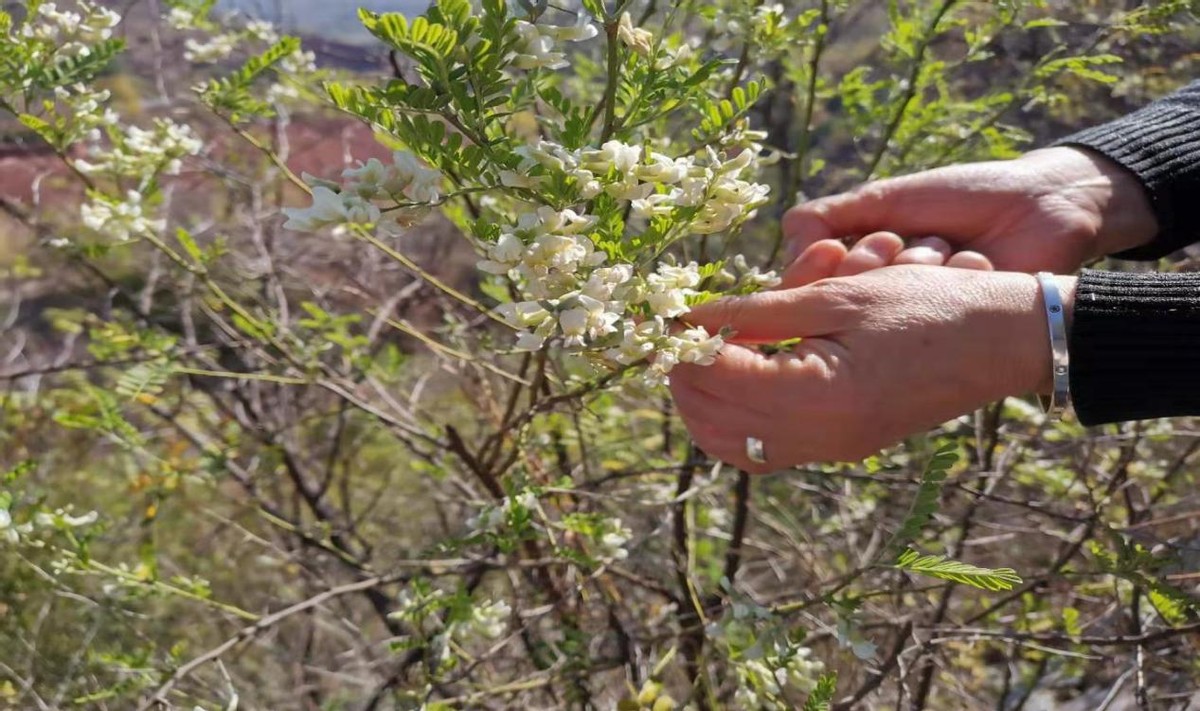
(822, 697)
(938, 566)
(144, 379)
(925, 504)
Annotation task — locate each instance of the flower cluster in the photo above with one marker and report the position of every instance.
(141, 153)
(210, 50)
(636, 38)
(493, 518)
(59, 519)
(487, 621)
(439, 620)
(71, 33)
(88, 112)
(763, 682)
(120, 219)
(570, 290)
(407, 184)
(535, 44)
(224, 38)
(612, 541)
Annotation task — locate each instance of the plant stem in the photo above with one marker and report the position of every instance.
(910, 87)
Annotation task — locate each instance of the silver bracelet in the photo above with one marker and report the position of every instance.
(1060, 397)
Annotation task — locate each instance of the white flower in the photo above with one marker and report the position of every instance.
(99, 23)
(669, 303)
(588, 319)
(7, 530)
(564, 253)
(765, 12)
(604, 282)
(763, 682)
(637, 39)
(668, 276)
(663, 169)
(669, 288)
(548, 220)
(121, 220)
(503, 255)
(637, 341)
(673, 57)
(523, 314)
(180, 18)
(217, 47)
(262, 31)
(653, 206)
(613, 154)
(298, 62)
(535, 50)
(488, 520)
(327, 209)
(739, 162)
(488, 621)
(513, 179)
(692, 191)
(526, 500)
(358, 210)
(573, 323)
(509, 248)
(367, 179)
(60, 518)
(583, 29)
(696, 346)
(529, 341)
(412, 179)
(280, 91)
(546, 154)
(629, 189)
(612, 542)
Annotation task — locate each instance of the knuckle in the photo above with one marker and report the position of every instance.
(842, 292)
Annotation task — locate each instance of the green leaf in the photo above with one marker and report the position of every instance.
(1044, 22)
(80, 68)
(189, 244)
(144, 379)
(938, 566)
(822, 696)
(925, 504)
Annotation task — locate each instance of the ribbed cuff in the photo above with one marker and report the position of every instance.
(1134, 345)
(1160, 144)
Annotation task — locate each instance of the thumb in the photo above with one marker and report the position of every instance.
(773, 316)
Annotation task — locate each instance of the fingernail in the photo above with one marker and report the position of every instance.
(922, 253)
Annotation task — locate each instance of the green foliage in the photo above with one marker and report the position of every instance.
(313, 450)
(81, 68)
(821, 697)
(936, 566)
(925, 503)
(1131, 561)
(232, 95)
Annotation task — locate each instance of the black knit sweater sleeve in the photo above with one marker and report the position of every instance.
(1133, 346)
(1160, 144)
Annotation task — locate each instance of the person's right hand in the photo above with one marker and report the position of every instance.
(1050, 210)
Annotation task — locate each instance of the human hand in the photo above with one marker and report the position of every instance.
(886, 353)
(1050, 209)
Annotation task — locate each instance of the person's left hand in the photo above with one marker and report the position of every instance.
(885, 353)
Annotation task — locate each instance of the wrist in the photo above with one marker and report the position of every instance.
(1018, 359)
(1115, 200)
(1041, 358)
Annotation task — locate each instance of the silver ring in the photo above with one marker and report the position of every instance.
(755, 451)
